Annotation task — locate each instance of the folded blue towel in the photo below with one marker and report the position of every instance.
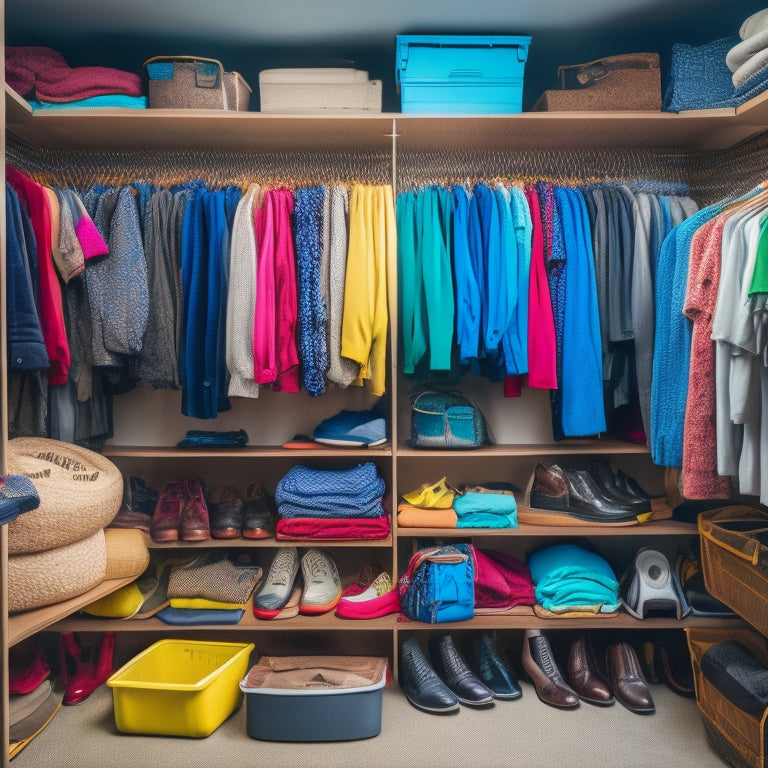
(194, 616)
(108, 101)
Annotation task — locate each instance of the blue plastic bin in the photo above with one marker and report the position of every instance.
(461, 74)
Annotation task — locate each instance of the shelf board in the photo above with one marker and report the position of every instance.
(245, 452)
(653, 528)
(173, 129)
(23, 625)
(243, 543)
(300, 623)
(563, 448)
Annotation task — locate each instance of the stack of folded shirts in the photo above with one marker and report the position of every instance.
(569, 578)
(339, 504)
(212, 589)
(492, 505)
(748, 59)
(42, 75)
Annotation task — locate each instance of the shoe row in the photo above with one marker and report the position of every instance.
(439, 680)
(188, 511)
(309, 584)
(596, 495)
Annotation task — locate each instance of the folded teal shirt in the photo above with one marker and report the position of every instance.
(567, 576)
(485, 510)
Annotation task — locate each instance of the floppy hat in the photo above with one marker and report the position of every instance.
(80, 493)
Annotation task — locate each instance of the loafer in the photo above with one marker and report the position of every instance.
(493, 668)
(275, 591)
(322, 586)
(627, 681)
(540, 665)
(453, 671)
(420, 683)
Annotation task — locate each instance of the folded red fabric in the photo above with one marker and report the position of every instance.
(43, 70)
(338, 528)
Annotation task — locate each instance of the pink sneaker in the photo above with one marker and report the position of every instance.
(372, 595)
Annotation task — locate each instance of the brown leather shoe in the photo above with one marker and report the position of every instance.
(194, 524)
(629, 686)
(583, 675)
(540, 664)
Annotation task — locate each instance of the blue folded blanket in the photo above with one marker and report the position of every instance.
(108, 101)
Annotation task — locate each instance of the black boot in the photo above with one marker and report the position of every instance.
(421, 685)
(454, 672)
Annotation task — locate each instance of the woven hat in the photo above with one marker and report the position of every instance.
(127, 554)
(44, 578)
(80, 492)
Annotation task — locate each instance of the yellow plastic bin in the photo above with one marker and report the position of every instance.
(179, 687)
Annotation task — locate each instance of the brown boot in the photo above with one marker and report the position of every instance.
(540, 664)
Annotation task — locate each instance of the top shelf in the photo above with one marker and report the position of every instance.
(715, 129)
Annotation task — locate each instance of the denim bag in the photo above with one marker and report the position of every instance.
(439, 585)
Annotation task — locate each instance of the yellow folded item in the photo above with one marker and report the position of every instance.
(123, 603)
(409, 516)
(435, 496)
(198, 603)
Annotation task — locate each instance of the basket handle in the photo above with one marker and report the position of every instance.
(753, 559)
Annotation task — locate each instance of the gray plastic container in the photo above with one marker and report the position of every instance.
(339, 714)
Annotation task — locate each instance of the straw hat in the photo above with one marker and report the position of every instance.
(80, 492)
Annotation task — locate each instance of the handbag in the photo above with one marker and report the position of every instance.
(439, 585)
(446, 419)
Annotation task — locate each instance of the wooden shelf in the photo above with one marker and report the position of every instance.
(242, 543)
(246, 452)
(563, 448)
(22, 625)
(133, 129)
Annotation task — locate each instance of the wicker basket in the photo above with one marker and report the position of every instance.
(191, 82)
(734, 560)
(738, 737)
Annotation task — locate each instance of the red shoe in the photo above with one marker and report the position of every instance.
(28, 667)
(80, 675)
(195, 525)
(372, 595)
(166, 519)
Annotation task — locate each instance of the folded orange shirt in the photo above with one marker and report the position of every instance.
(409, 516)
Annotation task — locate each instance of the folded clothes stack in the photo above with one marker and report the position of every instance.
(341, 504)
(749, 59)
(43, 75)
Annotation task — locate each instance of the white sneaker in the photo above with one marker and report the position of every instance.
(277, 587)
(322, 586)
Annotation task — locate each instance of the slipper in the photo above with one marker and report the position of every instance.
(301, 443)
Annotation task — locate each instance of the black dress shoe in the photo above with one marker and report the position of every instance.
(493, 668)
(453, 671)
(420, 683)
(540, 665)
(608, 484)
(629, 686)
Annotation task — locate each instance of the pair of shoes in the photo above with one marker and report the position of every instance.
(322, 586)
(181, 512)
(372, 595)
(491, 665)
(665, 658)
(420, 683)
(541, 667)
(618, 484)
(225, 511)
(352, 429)
(575, 493)
(258, 513)
(453, 671)
(626, 676)
(81, 672)
(139, 503)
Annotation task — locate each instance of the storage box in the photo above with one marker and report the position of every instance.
(461, 74)
(320, 89)
(179, 687)
(734, 560)
(190, 82)
(735, 735)
(314, 698)
(625, 83)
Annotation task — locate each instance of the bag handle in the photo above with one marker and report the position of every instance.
(415, 397)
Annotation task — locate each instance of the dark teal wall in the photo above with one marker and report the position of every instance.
(655, 30)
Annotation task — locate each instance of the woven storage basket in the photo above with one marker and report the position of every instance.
(191, 82)
(734, 560)
(80, 492)
(735, 735)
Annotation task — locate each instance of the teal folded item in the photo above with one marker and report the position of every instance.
(107, 101)
(195, 616)
(485, 510)
(568, 576)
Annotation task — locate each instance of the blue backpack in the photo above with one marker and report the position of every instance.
(439, 585)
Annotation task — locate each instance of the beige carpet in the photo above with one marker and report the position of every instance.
(523, 733)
